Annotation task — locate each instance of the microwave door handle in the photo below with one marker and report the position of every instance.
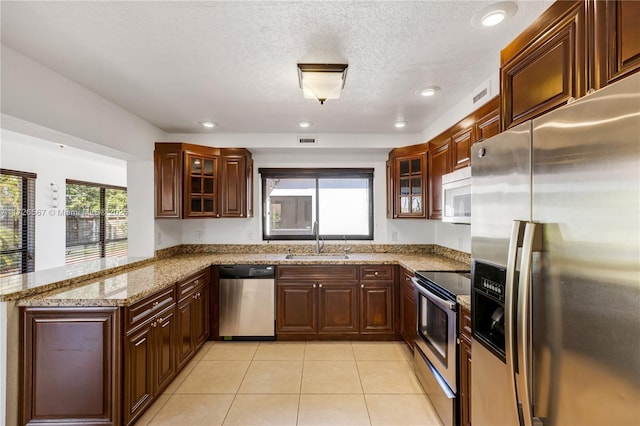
(515, 242)
(532, 243)
(436, 299)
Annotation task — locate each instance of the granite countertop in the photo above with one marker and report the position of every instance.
(125, 287)
(465, 301)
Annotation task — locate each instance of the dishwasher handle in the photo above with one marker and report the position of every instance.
(247, 271)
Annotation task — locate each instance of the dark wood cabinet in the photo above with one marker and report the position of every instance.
(194, 181)
(465, 366)
(236, 178)
(546, 65)
(192, 316)
(337, 307)
(616, 40)
(461, 147)
(338, 301)
(408, 323)
(488, 125)
(377, 299)
(407, 182)
(168, 183)
(70, 362)
(296, 306)
(201, 185)
(439, 165)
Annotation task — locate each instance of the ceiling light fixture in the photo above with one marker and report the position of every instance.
(494, 14)
(305, 124)
(400, 124)
(428, 91)
(208, 124)
(322, 81)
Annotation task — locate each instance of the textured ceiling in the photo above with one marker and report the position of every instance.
(175, 63)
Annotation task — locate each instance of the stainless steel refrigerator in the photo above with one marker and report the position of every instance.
(555, 244)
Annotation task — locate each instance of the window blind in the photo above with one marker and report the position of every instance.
(17, 222)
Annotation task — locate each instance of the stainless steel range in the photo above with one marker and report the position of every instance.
(436, 351)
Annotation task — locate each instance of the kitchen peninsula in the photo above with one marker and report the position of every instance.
(136, 326)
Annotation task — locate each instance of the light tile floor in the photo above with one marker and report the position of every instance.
(281, 383)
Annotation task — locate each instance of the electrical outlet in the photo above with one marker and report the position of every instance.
(198, 236)
(158, 238)
(394, 236)
(250, 236)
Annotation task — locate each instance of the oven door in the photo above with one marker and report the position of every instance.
(437, 332)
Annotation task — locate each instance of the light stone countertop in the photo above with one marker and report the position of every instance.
(126, 287)
(465, 300)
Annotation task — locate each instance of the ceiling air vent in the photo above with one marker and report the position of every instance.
(307, 141)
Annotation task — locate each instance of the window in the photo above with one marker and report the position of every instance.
(96, 221)
(339, 200)
(17, 222)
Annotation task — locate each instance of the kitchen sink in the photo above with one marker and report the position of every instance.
(316, 256)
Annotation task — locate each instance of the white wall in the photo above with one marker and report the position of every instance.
(54, 165)
(451, 235)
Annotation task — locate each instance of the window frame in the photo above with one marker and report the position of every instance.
(316, 174)
(102, 243)
(28, 212)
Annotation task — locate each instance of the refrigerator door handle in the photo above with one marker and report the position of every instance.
(532, 243)
(515, 242)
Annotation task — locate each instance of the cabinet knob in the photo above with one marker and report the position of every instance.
(155, 304)
(407, 278)
(196, 282)
(375, 273)
(361, 285)
(320, 285)
(159, 320)
(314, 286)
(153, 324)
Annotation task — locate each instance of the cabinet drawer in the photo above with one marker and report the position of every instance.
(325, 273)
(465, 323)
(139, 312)
(188, 286)
(376, 272)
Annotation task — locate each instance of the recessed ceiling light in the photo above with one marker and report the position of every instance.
(428, 91)
(400, 124)
(305, 124)
(494, 14)
(208, 124)
(493, 18)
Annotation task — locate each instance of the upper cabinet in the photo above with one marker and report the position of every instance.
(406, 182)
(616, 33)
(202, 182)
(573, 47)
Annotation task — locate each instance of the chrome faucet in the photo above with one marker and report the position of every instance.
(316, 234)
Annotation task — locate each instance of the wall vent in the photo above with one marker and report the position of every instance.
(480, 95)
(306, 141)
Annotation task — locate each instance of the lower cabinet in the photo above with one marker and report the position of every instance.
(105, 366)
(334, 302)
(408, 323)
(465, 366)
(70, 366)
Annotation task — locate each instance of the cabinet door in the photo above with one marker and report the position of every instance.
(249, 179)
(296, 308)
(439, 165)
(617, 40)
(138, 372)
(233, 186)
(376, 300)
(201, 198)
(410, 173)
(185, 320)
(337, 308)
(168, 183)
(465, 383)
(461, 148)
(165, 349)
(488, 126)
(548, 71)
(408, 325)
(389, 182)
(201, 316)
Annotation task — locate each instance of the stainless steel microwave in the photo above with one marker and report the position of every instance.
(456, 196)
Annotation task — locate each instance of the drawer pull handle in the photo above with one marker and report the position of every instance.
(153, 324)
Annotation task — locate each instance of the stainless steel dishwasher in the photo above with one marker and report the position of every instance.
(247, 302)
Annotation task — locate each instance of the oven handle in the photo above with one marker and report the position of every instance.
(447, 304)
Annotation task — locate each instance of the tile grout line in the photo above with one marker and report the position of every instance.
(304, 356)
(364, 396)
(235, 395)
